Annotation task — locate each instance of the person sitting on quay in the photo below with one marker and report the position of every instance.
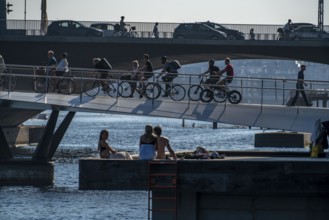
(106, 151)
(163, 143)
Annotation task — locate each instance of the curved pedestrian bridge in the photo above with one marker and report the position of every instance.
(265, 101)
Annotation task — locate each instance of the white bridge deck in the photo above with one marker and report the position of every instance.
(295, 118)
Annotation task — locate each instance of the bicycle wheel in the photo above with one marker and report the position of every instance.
(219, 95)
(125, 89)
(177, 92)
(234, 97)
(134, 34)
(92, 87)
(9, 83)
(114, 89)
(39, 85)
(66, 86)
(206, 95)
(152, 90)
(194, 92)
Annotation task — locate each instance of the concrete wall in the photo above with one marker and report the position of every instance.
(282, 139)
(26, 172)
(23, 134)
(231, 188)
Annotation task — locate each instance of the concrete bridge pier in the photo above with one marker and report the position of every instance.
(39, 170)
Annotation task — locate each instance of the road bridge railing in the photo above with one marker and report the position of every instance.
(117, 84)
(144, 29)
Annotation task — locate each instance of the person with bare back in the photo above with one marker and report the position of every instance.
(163, 143)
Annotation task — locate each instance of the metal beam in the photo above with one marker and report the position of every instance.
(5, 152)
(59, 134)
(320, 15)
(42, 150)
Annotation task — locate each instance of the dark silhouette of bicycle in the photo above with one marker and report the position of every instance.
(126, 89)
(131, 33)
(195, 90)
(63, 84)
(221, 94)
(7, 82)
(93, 87)
(153, 90)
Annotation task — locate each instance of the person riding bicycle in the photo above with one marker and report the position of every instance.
(122, 25)
(2, 65)
(102, 66)
(229, 74)
(287, 28)
(170, 71)
(213, 74)
(146, 70)
(62, 66)
(52, 63)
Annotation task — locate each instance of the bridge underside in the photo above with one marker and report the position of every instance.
(120, 52)
(266, 116)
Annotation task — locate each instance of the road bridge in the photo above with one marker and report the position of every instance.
(32, 50)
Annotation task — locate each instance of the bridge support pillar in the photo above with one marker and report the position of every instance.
(5, 152)
(50, 139)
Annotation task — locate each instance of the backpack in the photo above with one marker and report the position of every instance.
(175, 65)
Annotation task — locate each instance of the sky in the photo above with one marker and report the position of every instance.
(175, 11)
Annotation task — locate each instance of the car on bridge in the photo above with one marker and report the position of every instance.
(198, 31)
(72, 28)
(308, 33)
(109, 29)
(231, 33)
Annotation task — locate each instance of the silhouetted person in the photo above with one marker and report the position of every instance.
(252, 34)
(300, 87)
(156, 30)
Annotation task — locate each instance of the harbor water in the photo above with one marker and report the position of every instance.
(64, 200)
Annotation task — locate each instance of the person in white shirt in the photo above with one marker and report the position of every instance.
(62, 66)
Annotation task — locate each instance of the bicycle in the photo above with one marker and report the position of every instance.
(63, 84)
(126, 90)
(195, 90)
(7, 82)
(131, 33)
(221, 93)
(93, 87)
(153, 90)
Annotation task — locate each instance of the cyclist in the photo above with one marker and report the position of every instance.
(229, 74)
(147, 71)
(2, 65)
(62, 67)
(122, 25)
(52, 63)
(102, 66)
(170, 71)
(213, 72)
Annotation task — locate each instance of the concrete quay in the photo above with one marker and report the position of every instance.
(257, 186)
(26, 172)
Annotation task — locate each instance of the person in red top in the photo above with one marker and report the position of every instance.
(229, 73)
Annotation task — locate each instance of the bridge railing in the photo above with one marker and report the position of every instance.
(144, 29)
(254, 90)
